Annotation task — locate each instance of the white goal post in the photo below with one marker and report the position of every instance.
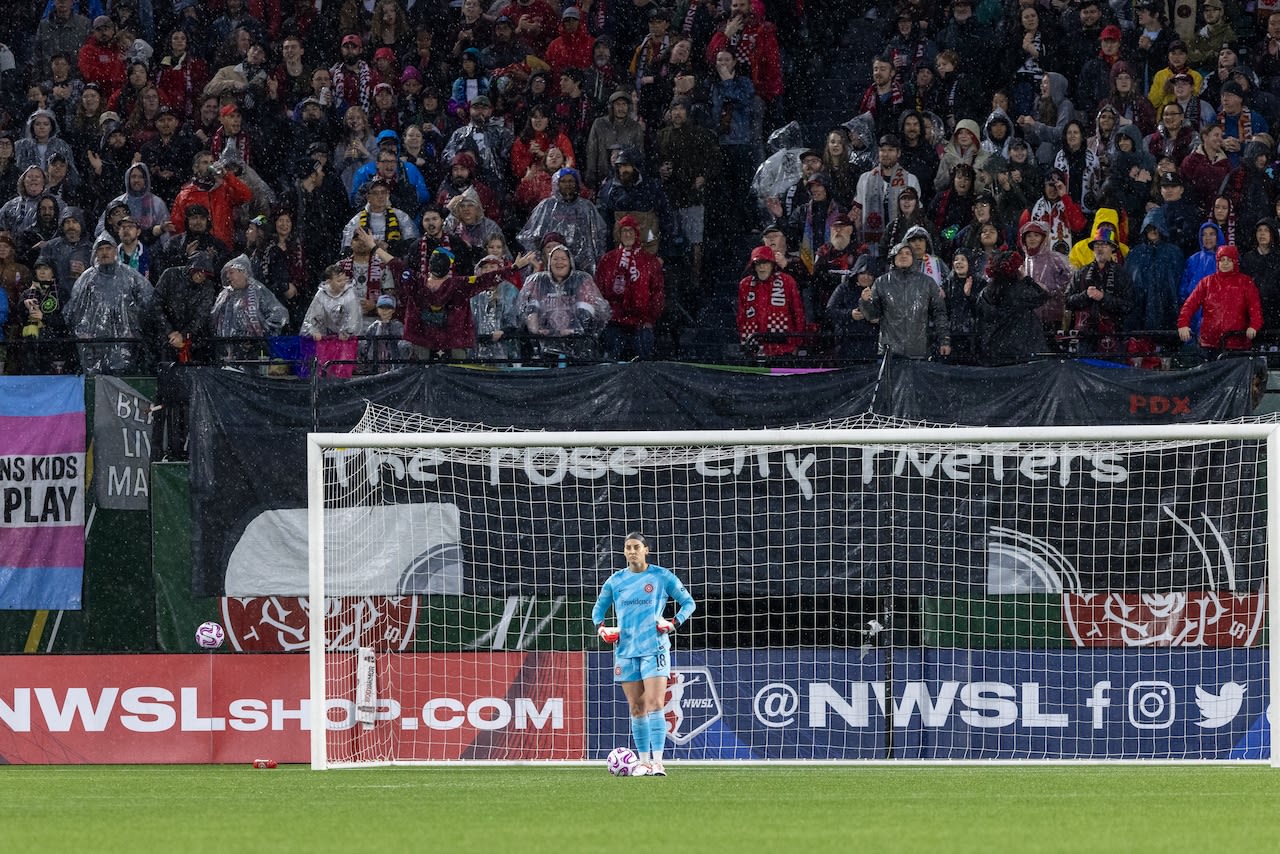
(889, 594)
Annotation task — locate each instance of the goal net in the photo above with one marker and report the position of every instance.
(867, 590)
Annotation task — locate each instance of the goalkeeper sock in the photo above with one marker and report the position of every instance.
(657, 735)
(640, 732)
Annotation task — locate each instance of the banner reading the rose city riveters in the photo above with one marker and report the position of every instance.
(42, 471)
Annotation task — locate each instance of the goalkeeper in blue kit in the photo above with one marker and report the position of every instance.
(642, 643)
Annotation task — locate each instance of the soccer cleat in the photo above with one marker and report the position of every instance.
(657, 770)
(642, 769)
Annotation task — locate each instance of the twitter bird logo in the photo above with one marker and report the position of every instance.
(1220, 709)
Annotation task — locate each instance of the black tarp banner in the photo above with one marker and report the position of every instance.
(860, 521)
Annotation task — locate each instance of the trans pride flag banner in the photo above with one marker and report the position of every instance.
(42, 474)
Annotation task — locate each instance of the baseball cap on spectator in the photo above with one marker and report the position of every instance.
(657, 13)
(386, 301)
(762, 254)
(107, 116)
(228, 109)
(201, 261)
(102, 21)
(1182, 78)
(1111, 33)
(890, 139)
(386, 86)
(481, 101)
(620, 94)
(985, 198)
(317, 148)
(389, 54)
(1212, 4)
(1105, 234)
(165, 110)
(571, 12)
(503, 19)
(352, 38)
(260, 221)
(1231, 87)
(842, 221)
(1170, 179)
(490, 259)
(911, 192)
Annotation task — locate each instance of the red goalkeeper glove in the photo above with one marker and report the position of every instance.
(666, 626)
(609, 634)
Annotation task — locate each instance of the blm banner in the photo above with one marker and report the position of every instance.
(121, 445)
(851, 521)
(42, 462)
(950, 704)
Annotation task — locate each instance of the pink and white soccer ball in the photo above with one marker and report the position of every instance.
(621, 761)
(210, 635)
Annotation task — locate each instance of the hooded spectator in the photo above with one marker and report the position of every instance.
(1155, 265)
(109, 300)
(1230, 304)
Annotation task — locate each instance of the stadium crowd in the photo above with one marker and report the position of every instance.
(382, 180)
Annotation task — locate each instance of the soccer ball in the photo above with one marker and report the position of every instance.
(621, 761)
(210, 635)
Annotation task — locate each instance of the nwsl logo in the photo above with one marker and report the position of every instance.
(691, 704)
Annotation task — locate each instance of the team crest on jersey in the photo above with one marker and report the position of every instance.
(617, 670)
(648, 588)
(691, 703)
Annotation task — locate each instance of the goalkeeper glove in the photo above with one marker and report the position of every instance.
(608, 634)
(666, 626)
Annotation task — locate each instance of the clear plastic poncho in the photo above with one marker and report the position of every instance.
(781, 169)
(110, 301)
(248, 312)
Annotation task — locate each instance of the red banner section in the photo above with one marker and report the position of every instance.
(236, 708)
(1190, 618)
(282, 623)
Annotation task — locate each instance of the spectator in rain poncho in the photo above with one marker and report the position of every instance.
(494, 313)
(19, 213)
(72, 251)
(146, 209)
(467, 223)
(568, 214)
(245, 308)
(109, 300)
(563, 307)
(41, 142)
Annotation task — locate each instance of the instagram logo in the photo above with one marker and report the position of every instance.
(1151, 705)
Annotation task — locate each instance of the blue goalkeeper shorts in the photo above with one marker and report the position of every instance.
(641, 667)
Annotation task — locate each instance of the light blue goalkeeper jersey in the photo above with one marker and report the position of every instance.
(637, 598)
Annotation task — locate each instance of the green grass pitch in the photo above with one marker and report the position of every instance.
(702, 809)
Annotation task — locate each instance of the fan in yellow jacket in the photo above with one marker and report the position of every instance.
(1081, 255)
